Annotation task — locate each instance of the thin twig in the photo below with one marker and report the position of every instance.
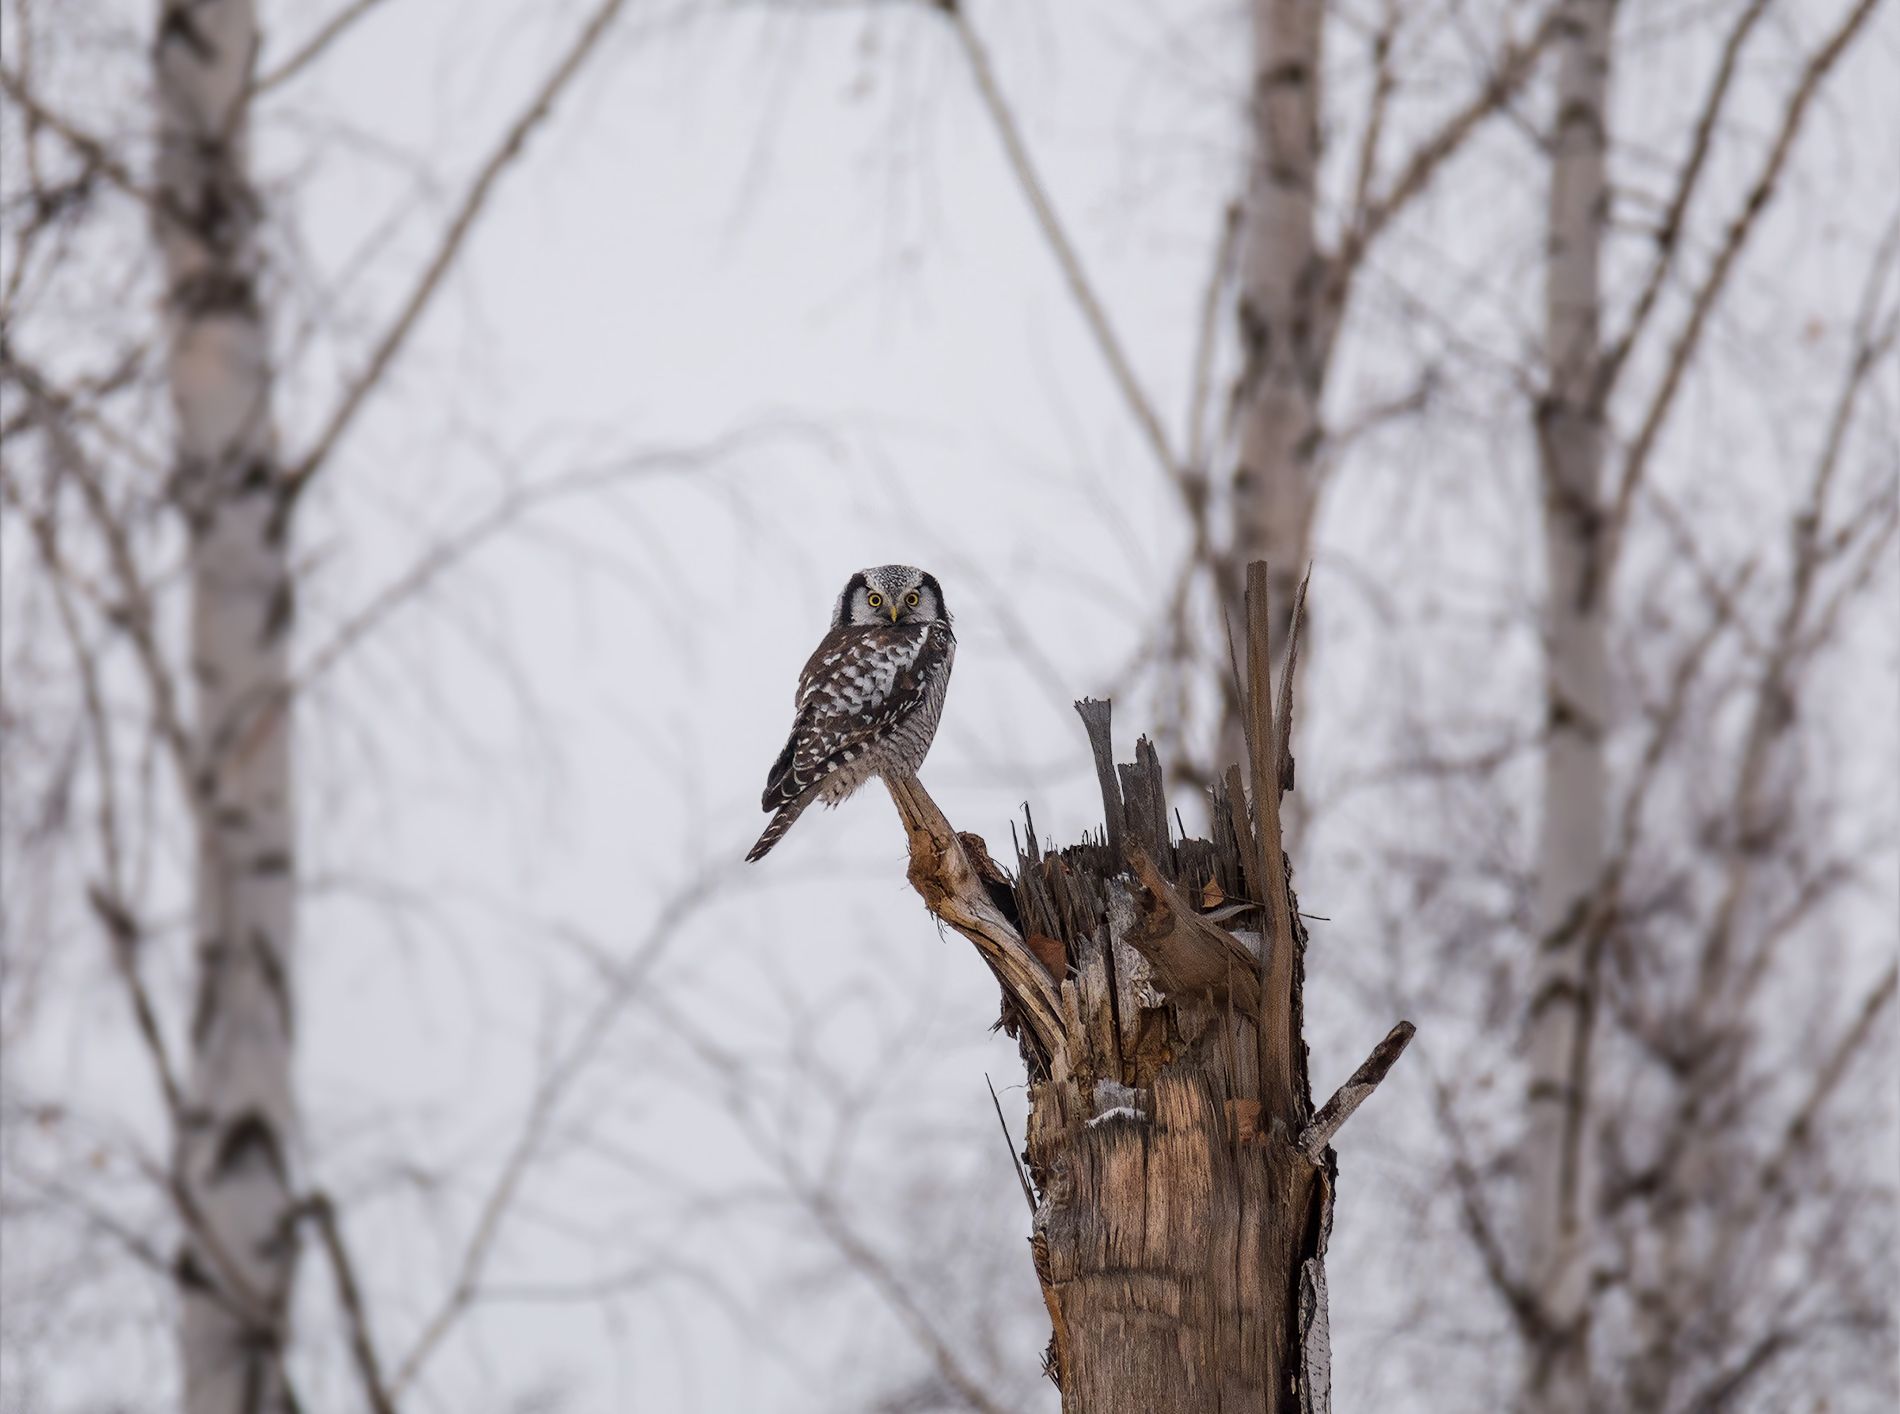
(1827, 1078)
(1015, 1161)
(1513, 68)
(1067, 258)
(473, 202)
(626, 982)
(1289, 673)
(1669, 232)
(327, 34)
(872, 1265)
(350, 1297)
(1709, 291)
(87, 146)
(1473, 1207)
(1384, 83)
(122, 935)
(134, 613)
(508, 509)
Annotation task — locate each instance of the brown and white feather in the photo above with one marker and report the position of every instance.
(868, 704)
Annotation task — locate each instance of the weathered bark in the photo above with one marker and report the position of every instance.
(1183, 1186)
(235, 1127)
(1571, 842)
(1285, 332)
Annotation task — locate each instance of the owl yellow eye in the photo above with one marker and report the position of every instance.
(913, 600)
(876, 601)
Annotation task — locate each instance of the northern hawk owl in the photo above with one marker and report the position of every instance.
(869, 699)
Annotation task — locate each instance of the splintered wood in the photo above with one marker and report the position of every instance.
(1183, 1182)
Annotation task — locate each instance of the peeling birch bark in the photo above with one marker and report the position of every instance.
(1285, 335)
(235, 1143)
(1571, 842)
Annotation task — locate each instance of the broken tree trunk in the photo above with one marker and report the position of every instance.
(1184, 1182)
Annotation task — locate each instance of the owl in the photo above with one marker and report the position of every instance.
(869, 699)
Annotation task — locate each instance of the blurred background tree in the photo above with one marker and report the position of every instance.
(412, 402)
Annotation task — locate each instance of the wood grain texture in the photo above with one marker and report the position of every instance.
(1182, 1208)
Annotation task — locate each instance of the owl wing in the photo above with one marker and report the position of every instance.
(856, 689)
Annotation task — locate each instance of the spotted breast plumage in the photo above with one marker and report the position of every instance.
(869, 699)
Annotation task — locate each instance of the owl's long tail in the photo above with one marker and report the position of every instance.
(781, 822)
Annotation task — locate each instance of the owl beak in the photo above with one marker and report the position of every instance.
(893, 613)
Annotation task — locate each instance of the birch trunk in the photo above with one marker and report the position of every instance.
(1571, 840)
(1283, 332)
(235, 1128)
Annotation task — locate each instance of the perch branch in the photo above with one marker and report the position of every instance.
(945, 878)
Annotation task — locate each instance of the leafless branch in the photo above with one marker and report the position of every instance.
(1474, 1209)
(1015, 1164)
(1094, 314)
(1709, 291)
(513, 143)
(1509, 72)
(122, 936)
(314, 47)
(1774, 690)
(1201, 383)
(871, 1264)
(509, 509)
(94, 151)
(942, 871)
(625, 983)
(320, 1210)
(1669, 231)
(1358, 1088)
(1827, 1078)
(133, 614)
(1384, 84)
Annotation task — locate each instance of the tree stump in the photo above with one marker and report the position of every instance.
(1183, 1180)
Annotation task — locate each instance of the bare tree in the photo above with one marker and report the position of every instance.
(1288, 258)
(1582, 891)
(103, 506)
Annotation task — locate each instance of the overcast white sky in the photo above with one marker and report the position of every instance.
(794, 237)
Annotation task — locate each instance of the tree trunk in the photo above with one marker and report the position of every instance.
(1184, 1182)
(1571, 845)
(1284, 333)
(236, 1124)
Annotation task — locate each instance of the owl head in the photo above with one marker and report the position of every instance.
(890, 594)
